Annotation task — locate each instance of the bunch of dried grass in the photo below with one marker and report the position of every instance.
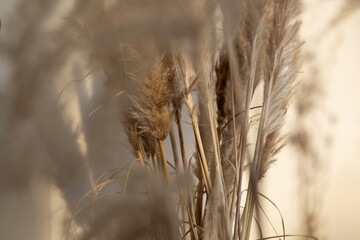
(158, 59)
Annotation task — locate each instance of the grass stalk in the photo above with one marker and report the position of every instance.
(194, 120)
(203, 163)
(181, 139)
(246, 218)
(164, 161)
(199, 204)
(174, 148)
(141, 158)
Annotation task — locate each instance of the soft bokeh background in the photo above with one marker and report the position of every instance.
(317, 193)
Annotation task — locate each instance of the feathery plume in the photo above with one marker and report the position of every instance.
(152, 103)
(280, 70)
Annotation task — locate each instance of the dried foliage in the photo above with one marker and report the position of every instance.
(155, 59)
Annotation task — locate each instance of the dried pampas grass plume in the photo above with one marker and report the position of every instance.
(280, 70)
(152, 103)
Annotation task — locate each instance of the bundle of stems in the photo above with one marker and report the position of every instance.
(201, 61)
